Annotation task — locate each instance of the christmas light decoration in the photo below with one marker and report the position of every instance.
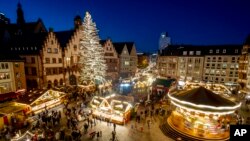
(92, 62)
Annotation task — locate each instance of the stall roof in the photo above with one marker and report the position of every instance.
(31, 96)
(12, 108)
(163, 82)
(128, 99)
(203, 96)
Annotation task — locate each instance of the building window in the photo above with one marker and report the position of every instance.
(55, 50)
(236, 51)
(54, 70)
(60, 70)
(224, 50)
(33, 60)
(75, 47)
(53, 60)
(4, 76)
(210, 51)
(26, 71)
(52, 42)
(191, 52)
(49, 50)
(184, 52)
(217, 51)
(47, 60)
(17, 65)
(33, 71)
(48, 71)
(126, 63)
(59, 60)
(198, 52)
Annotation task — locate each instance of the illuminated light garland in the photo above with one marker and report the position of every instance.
(204, 106)
(199, 111)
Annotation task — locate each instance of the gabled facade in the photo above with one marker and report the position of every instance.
(111, 58)
(244, 66)
(69, 41)
(127, 58)
(52, 63)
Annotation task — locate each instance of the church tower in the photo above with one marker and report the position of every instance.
(77, 21)
(20, 16)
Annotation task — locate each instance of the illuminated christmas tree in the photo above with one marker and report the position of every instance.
(92, 64)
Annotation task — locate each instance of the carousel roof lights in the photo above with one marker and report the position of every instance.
(204, 112)
(204, 106)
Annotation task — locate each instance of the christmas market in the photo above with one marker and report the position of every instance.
(201, 113)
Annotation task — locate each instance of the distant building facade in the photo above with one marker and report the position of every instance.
(217, 64)
(112, 60)
(12, 75)
(244, 66)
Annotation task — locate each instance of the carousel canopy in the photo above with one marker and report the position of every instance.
(202, 99)
(203, 96)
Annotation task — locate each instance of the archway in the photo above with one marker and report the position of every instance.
(72, 80)
(55, 83)
(49, 84)
(28, 82)
(61, 82)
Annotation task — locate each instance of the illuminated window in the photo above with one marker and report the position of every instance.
(236, 51)
(217, 51)
(191, 52)
(126, 63)
(198, 52)
(184, 52)
(49, 50)
(210, 51)
(224, 50)
(47, 60)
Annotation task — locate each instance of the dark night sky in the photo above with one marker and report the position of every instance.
(198, 22)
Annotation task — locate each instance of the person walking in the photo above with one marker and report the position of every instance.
(114, 126)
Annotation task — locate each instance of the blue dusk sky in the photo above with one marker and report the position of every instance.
(197, 22)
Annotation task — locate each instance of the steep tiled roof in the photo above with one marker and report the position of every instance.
(64, 37)
(28, 43)
(120, 45)
(203, 96)
(102, 42)
(247, 41)
(5, 57)
(129, 46)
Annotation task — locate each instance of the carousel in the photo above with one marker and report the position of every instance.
(202, 114)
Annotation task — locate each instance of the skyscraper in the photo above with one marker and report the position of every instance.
(164, 41)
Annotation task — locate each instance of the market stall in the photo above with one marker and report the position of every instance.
(202, 114)
(115, 108)
(41, 99)
(13, 113)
